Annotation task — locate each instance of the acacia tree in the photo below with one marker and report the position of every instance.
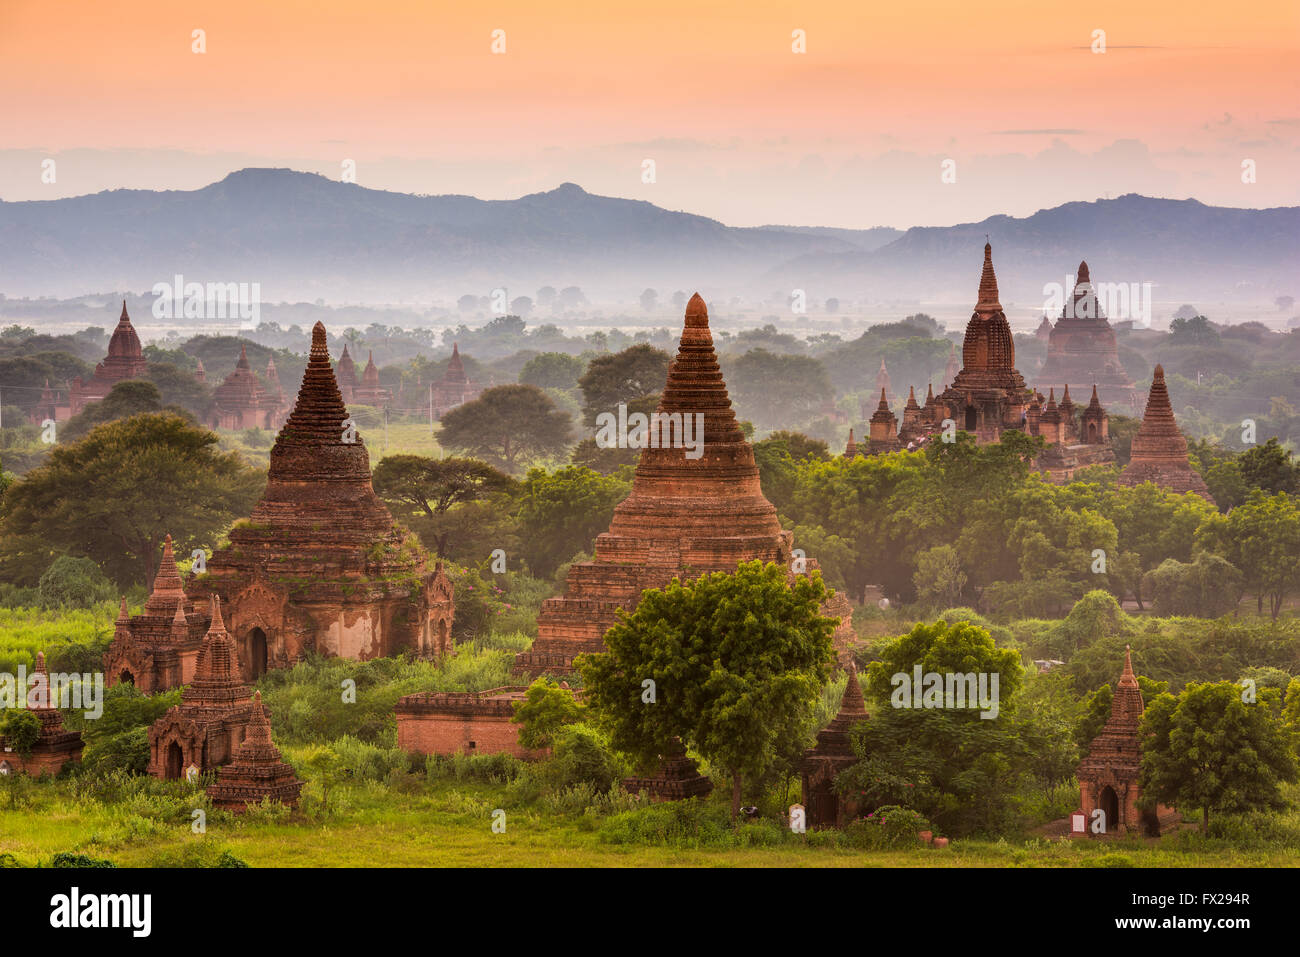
(507, 425)
(115, 494)
(636, 373)
(1208, 748)
(415, 484)
(737, 662)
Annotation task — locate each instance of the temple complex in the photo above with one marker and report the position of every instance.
(684, 517)
(257, 771)
(320, 566)
(1159, 451)
(988, 396)
(1108, 776)
(370, 392)
(204, 730)
(1081, 348)
(833, 753)
(470, 723)
(455, 387)
(125, 360)
(240, 402)
(158, 648)
(56, 746)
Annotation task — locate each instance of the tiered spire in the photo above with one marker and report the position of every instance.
(988, 294)
(216, 683)
(243, 357)
(1159, 450)
(851, 449)
(167, 591)
(257, 770)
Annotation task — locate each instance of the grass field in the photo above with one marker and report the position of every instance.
(449, 824)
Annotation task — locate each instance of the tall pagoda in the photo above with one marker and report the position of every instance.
(1159, 451)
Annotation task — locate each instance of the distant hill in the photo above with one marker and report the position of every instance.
(1188, 251)
(303, 236)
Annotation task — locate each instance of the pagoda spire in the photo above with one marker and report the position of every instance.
(988, 295)
(167, 588)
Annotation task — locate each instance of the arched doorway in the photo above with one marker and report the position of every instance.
(972, 418)
(126, 677)
(1108, 801)
(175, 761)
(1092, 433)
(257, 657)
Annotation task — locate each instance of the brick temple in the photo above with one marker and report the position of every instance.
(320, 566)
(1081, 348)
(370, 392)
(448, 722)
(158, 648)
(204, 730)
(240, 401)
(833, 753)
(257, 772)
(988, 396)
(455, 387)
(56, 745)
(1159, 450)
(125, 360)
(1108, 776)
(684, 517)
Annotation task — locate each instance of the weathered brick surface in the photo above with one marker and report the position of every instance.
(448, 723)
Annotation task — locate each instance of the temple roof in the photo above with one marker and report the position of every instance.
(988, 346)
(167, 590)
(216, 682)
(124, 343)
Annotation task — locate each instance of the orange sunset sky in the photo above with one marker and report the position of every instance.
(850, 133)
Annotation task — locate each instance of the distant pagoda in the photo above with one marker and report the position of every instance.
(55, 746)
(321, 567)
(833, 753)
(125, 360)
(1081, 348)
(1159, 450)
(684, 517)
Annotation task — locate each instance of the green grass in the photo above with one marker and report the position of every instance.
(25, 631)
(449, 824)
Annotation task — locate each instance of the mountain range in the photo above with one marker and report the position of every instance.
(302, 236)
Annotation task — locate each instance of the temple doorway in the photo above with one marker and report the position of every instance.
(175, 760)
(972, 418)
(126, 678)
(1108, 801)
(1092, 433)
(823, 806)
(257, 658)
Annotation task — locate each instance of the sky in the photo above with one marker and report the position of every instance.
(855, 131)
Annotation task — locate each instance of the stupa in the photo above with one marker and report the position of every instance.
(370, 392)
(1159, 450)
(833, 753)
(257, 771)
(1081, 348)
(240, 402)
(158, 648)
(684, 517)
(204, 730)
(455, 387)
(320, 566)
(1108, 776)
(125, 360)
(56, 745)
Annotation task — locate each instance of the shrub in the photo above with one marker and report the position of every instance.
(888, 827)
(73, 583)
(70, 859)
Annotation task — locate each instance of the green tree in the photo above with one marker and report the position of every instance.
(1208, 749)
(545, 710)
(73, 583)
(506, 426)
(1264, 545)
(1270, 467)
(127, 398)
(552, 370)
(636, 373)
(560, 513)
(21, 729)
(1207, 588)
(115, 494)
(431, 488)
(939, 577)
(736, 660)
(777, 390)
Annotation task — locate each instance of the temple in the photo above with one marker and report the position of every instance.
(833, 753)
(1159, 450)
(470, 723)
(240, 402)
(346, 375)
(988, 396)
(370, 392)
(320, 567)
(1081, 348)
(684, 517)
(56, 746)
(257, 771)
(158, 648)
(203, 731)
(125, 360)
(455, 387)
(1108, 776)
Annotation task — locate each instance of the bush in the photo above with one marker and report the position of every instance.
(73, 583)
(888, 827)
(583, 756)
(689, 823)
(21, 729)
(69, 859)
